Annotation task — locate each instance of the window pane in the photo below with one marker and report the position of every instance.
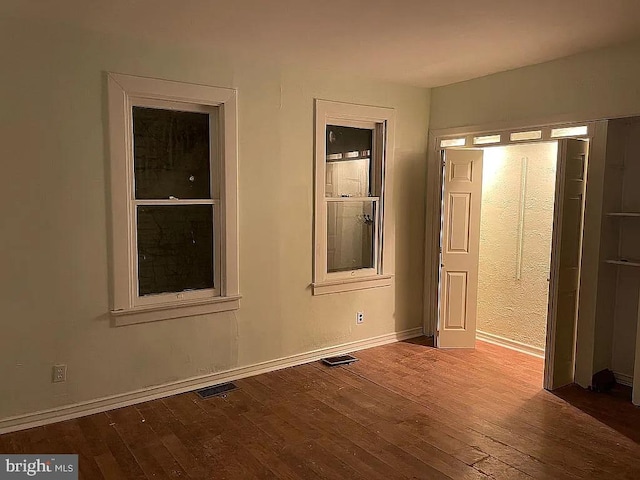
(171, 154)
(569, 131)
(530, 135)
(486, 139)
(175, 248)
(453, 142)
(350, 235)
(348, 161)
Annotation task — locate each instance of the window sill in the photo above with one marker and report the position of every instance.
(351, 284)
(166, 311)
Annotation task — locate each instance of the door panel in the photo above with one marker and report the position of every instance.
(460, 245)
(456, 288)
(459, 213)
(566, 254)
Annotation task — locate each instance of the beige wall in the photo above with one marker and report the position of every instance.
(512, 308)
(593, 85)
(54, 275)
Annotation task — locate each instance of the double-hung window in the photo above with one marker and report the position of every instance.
(353, 216)
(173, 199)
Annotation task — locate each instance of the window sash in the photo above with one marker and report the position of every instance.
(215, 137)
(214, 163)
(376, 187)
(160, 298)
(359, 272)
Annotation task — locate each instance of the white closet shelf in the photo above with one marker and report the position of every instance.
(623, 214)
(626, 262)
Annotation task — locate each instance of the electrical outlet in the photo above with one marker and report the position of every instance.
(59, 373)
(359, 317)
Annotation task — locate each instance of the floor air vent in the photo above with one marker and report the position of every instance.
(216, 390)
(339, 360)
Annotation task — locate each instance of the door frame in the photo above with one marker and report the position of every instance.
(596, 134)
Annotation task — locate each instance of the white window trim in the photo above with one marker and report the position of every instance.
(383, 121)
(124, 92)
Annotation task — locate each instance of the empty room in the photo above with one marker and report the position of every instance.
(320, 240)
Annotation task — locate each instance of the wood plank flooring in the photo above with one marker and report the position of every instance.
(403, 411)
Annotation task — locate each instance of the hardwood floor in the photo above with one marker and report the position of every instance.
(403, 411)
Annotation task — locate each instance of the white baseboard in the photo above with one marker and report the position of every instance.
(44, 417)
(511, 344)
(624, 379)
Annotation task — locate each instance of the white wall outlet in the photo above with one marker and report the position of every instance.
(59, 373)
(359, 317)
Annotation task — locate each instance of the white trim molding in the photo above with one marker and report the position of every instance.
(349, 284)
(68, 412)
(510, 344)
(174, 310)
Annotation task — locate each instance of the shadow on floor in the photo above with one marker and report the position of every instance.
(613, 408)
(424, 341)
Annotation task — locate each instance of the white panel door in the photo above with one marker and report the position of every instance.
(460, 244)
(566, 255)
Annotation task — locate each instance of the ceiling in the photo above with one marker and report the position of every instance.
(419, 42)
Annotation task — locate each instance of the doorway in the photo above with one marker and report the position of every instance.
(460, 290)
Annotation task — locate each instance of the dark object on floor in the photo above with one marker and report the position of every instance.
(216, 390)
(339, 360)
(603, 381)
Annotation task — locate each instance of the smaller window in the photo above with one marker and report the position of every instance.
(354, 157)
(453, 142)
(569, 131)
(530, 135)
(486, 139)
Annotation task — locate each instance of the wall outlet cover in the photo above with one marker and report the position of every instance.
(59, 373)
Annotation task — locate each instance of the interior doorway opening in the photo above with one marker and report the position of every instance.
(558, 250)
(604, 333)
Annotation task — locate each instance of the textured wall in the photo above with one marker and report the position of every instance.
(508, 307)
(53, 242)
